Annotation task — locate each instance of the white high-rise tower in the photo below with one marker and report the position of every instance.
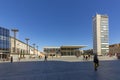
(100, 34)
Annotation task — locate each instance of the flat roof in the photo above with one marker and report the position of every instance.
(73, 46)
(66, 46)
(51, 47)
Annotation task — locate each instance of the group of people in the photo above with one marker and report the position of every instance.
(95, 60)
(86, 57)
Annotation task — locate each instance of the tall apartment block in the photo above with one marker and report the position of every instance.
(100, 34)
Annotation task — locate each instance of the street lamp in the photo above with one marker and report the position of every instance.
(14, 31)
(34, 48)
(37, 50)
(27, 39)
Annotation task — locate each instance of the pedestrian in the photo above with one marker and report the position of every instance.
(45, 57)
(89, 56)
(83, 57)
(96, 62)
(86, 57)
(11, 59)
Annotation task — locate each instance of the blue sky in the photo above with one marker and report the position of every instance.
(59, 22)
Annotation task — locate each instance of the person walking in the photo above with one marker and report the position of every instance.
(86, 57)
(45, 58)
(83, 57)
(11, 59)
(96, 62)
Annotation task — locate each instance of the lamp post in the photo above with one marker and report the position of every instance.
(27, 39)
(14, 31)
(34, 48)
(37, 50)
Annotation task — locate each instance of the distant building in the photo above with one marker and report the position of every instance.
(114, 49)
(52, 50)
(21, 47)
(64, 50)
(4, 42)
(100, 34)
(89, 51)
(7, 46)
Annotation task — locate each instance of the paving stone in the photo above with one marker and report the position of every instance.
(60, 70)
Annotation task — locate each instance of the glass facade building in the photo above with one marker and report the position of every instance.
(100, 34)
(4, 42)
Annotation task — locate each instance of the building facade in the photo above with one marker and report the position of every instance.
(114, 49)
(22, 48)
(100, 34)
(64, 50)
(71, 50)
(4, 42)
(7, 46)
(52, 50)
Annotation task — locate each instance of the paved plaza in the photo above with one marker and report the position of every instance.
(60, 70)
(62, 58)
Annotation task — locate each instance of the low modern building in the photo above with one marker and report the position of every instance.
(114, 49)
(52, 50)
(64, 50)
(4, 42)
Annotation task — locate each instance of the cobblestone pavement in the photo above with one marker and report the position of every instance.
(59, 70)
